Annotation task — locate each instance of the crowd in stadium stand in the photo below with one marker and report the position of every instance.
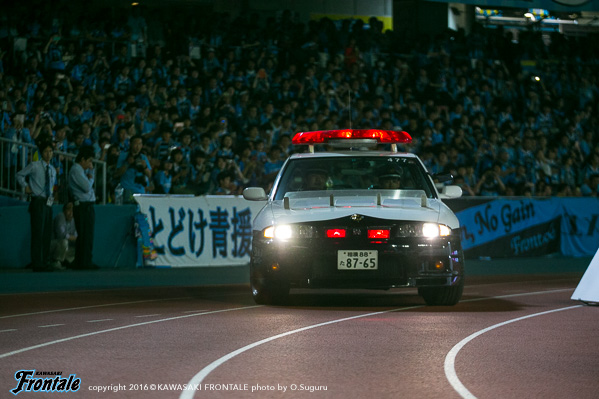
(216, 99)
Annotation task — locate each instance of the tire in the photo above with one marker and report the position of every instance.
(269, 292)
(442, 296)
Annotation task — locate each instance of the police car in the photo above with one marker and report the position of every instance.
(355, 218)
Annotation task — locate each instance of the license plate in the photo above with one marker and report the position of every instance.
(357, 260)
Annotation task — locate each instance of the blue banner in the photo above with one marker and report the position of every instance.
(528, 226)
(580, 226)
(492, 220)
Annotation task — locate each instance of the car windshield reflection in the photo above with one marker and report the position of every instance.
(392, 177)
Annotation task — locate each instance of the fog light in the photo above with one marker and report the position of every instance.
(335, 233)
(379, 233)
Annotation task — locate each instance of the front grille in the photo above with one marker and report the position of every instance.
(313, 261)
(358, 227)
(325, 268)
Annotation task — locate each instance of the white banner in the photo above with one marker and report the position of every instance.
(200, 231)
(588, 288)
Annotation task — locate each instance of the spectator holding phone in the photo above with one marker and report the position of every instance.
(134, 170)
(261, 84)
(53, 54)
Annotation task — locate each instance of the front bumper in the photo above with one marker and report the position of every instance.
(402, 262)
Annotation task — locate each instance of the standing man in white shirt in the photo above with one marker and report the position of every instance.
(81, 186)
(39, 178)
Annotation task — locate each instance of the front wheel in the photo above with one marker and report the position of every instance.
(269, 292)
(442, 296)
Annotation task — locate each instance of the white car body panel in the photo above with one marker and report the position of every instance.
(404, 209)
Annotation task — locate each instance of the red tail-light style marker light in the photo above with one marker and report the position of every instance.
(323, 136)
(335, 233)
(379, 233)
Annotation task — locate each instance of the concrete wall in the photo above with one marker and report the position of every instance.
(114, 240)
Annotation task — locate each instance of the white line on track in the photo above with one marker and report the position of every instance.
(517, 295)
(98, 321)
(9, 330)
(91, 306)
(199, 377)
(148, 315)
(51, 325)
(450, 372)
(58, 341)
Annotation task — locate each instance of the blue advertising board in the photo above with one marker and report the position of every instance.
(528, 226)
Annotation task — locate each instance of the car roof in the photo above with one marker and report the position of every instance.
(325, 154)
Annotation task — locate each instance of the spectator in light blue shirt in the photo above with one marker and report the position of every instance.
(590, 188)
(133, 169)
(18, 133)
(164, 178)
(274, 163)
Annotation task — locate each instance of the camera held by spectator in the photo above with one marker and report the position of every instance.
(139, 163)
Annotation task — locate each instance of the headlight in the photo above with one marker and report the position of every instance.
(428, 230)
(286, 232)
(283, 232)
(431, 230)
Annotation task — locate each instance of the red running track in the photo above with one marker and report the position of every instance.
(510, 337)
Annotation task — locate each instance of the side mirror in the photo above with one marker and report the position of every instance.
(450, 192)
(255, 194)
(442, 177)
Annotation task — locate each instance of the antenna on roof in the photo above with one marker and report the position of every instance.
(349, 102)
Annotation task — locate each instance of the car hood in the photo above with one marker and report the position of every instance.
(319, 209)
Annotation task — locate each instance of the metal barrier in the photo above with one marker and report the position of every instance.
(15, 155)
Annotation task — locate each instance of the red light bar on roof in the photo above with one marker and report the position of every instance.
(323, 136)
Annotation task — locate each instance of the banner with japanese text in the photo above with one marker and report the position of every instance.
(200, 231)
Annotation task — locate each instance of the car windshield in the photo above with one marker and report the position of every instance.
(347, 175)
